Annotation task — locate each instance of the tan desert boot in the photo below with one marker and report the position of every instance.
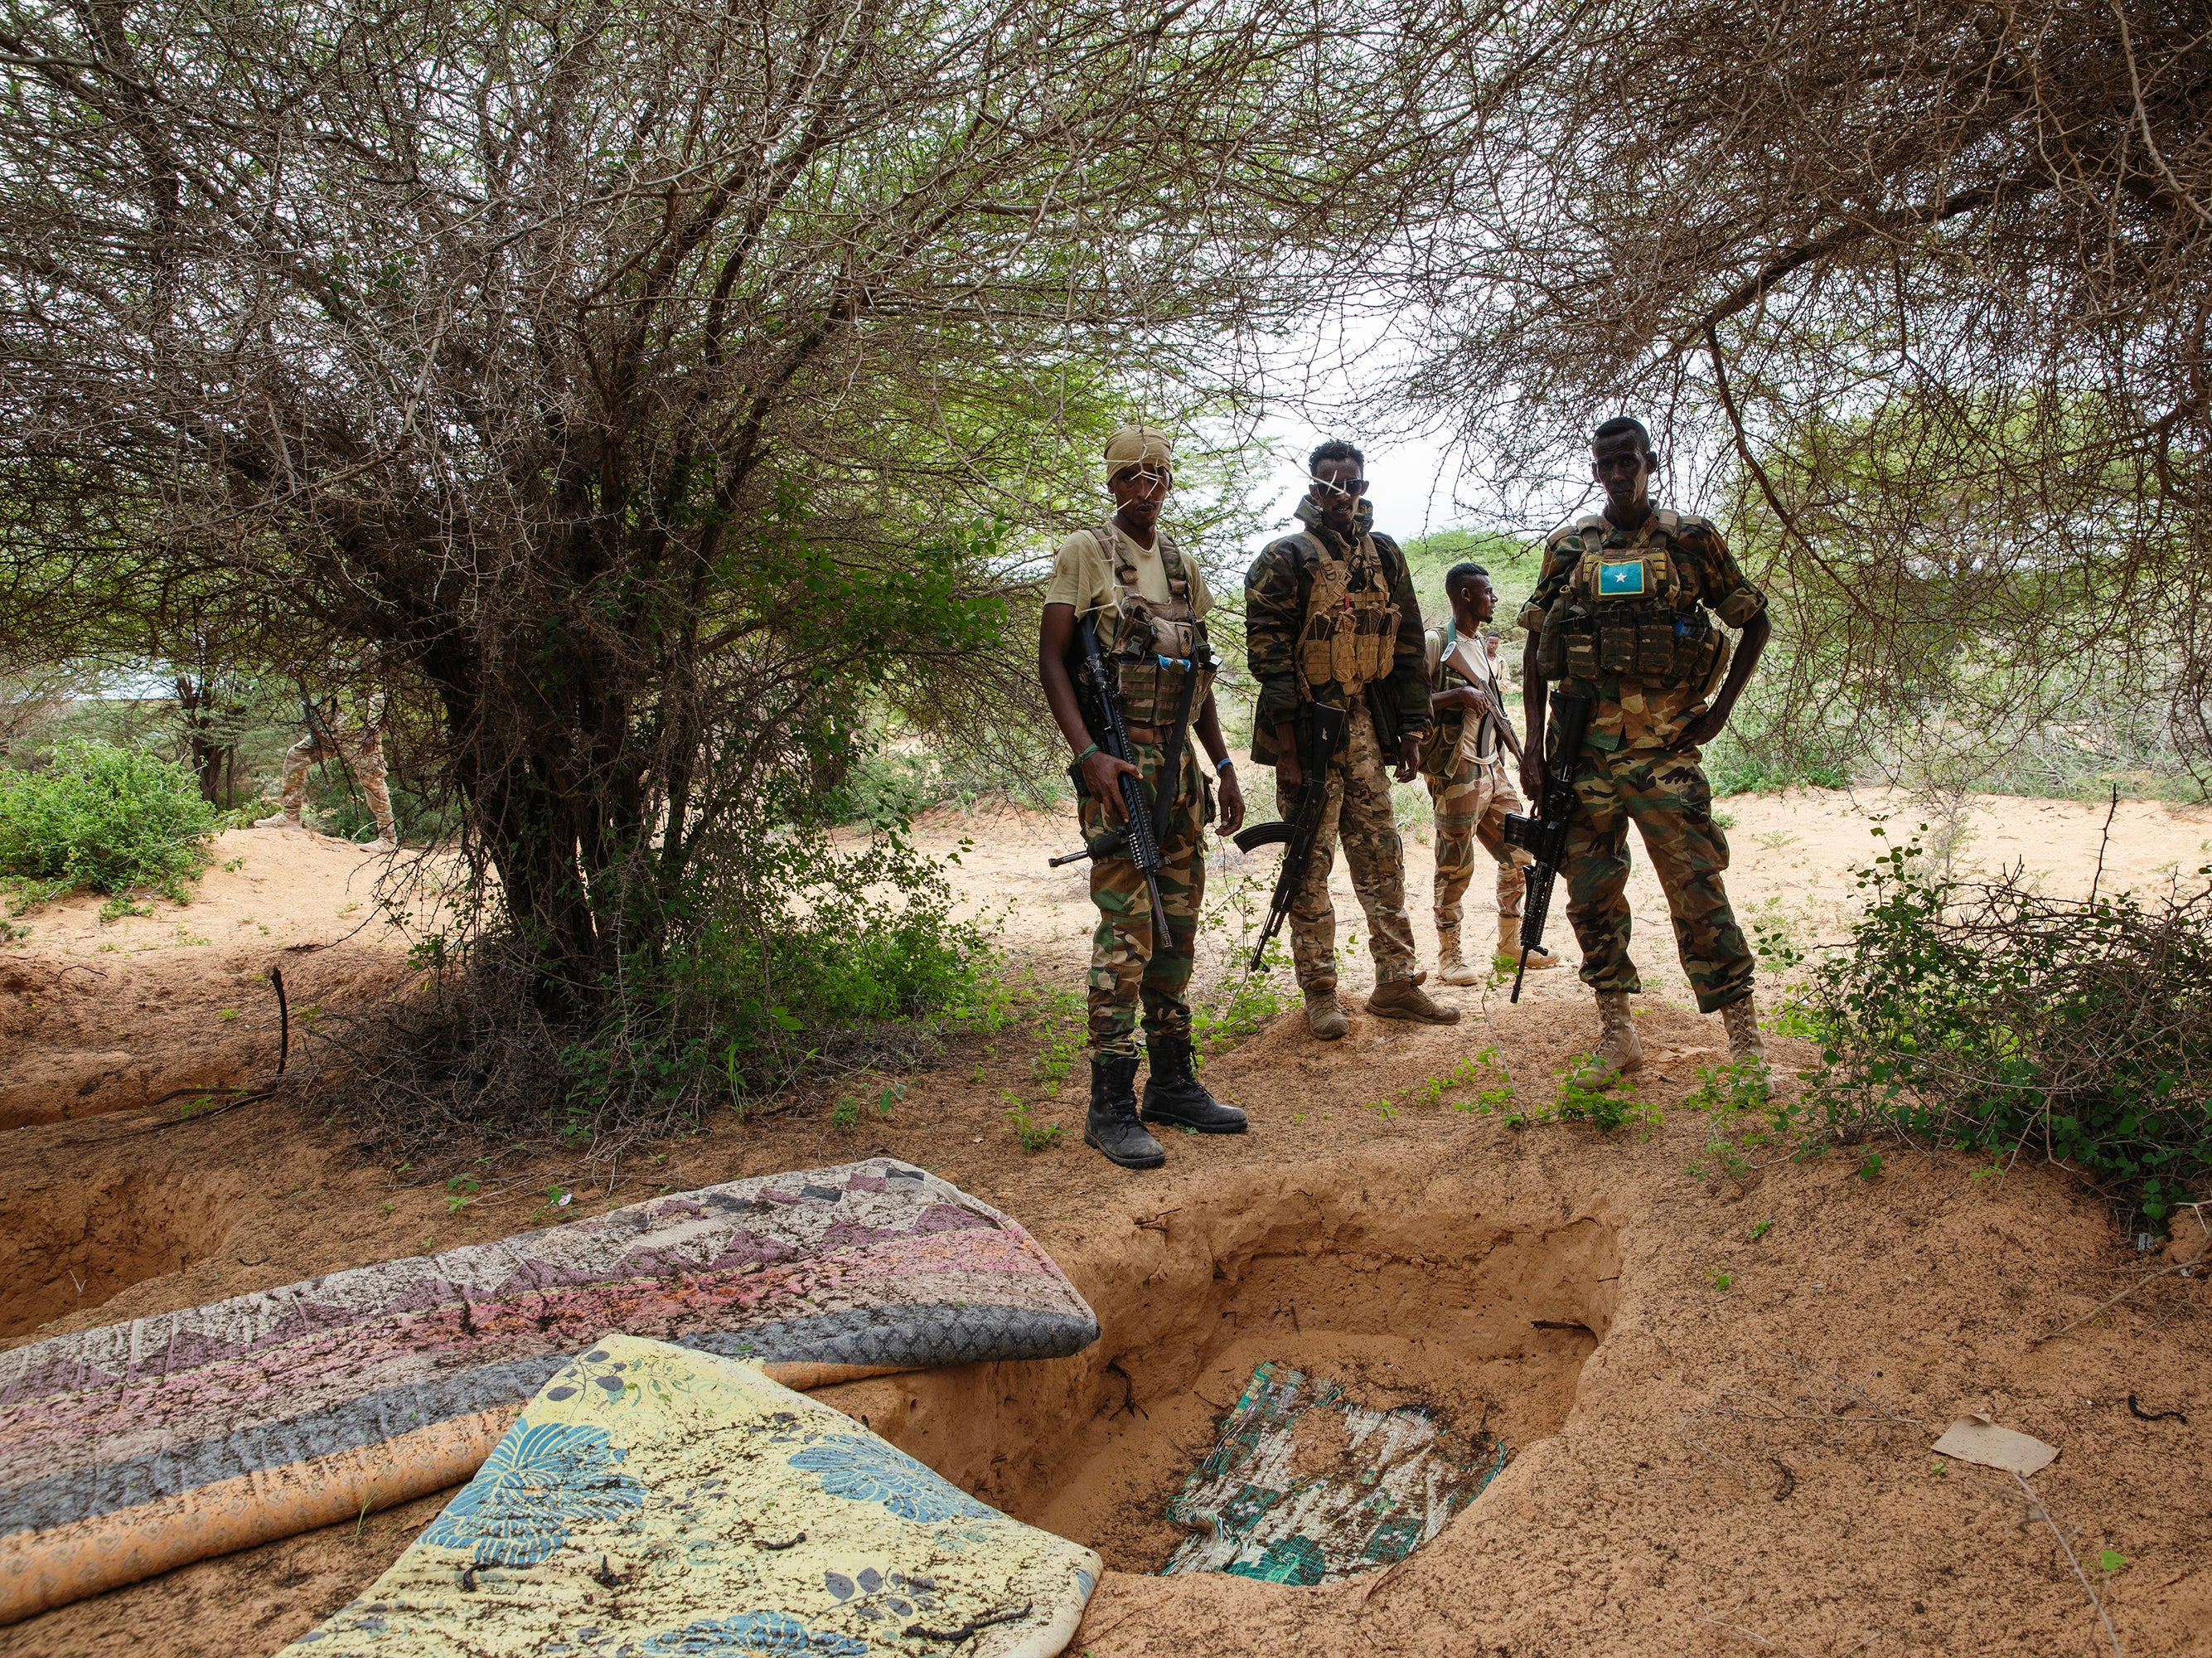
(1451, 969)
(1741, 1019)
(1403, 998)
(1508, 949)
(1619, 1048)
(1325, 1016)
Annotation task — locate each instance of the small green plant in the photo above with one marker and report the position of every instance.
(1060, 1020)
(890, 1096)
(1719, 1278)
(1869, 1166)
(1939, 1468)
(1760, 1229)
(463, 1190)
(1605, 1100)
(1241, 1005)
(227, 1013)
(846, 1113)
(2111, 1560)
(1033, 1135)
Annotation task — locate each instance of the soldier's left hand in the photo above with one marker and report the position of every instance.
(1409, 758)
(1700, 731)
(1230, 801)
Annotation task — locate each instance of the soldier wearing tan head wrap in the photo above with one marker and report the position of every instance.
(1148, 602)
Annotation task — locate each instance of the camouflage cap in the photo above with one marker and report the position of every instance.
(1136, 446)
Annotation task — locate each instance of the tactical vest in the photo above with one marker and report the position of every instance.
(1135, 632)
(1440, 747)
(1350, 639)
(1625, 612)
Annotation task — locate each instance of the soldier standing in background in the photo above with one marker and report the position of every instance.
(1619, 616)
(1330, 616)
(1464, 763)
(1147, 601)
(326, 740)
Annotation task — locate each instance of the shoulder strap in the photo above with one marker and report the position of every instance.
(1171, 561)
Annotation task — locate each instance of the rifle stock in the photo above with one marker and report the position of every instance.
(1299, 833)
(1543, 834)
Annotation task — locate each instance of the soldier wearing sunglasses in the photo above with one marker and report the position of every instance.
(1330, 617)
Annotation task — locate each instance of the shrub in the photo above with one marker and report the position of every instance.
(108, 818)
(815, 956)
(1992, 1017)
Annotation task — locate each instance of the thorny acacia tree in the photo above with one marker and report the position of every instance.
(1932, 278)
(639, 378)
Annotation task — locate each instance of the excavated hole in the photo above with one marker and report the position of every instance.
(64, 1249)
(1487, 1319)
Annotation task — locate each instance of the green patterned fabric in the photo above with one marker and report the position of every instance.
(1385, 1482)
(655, 1500)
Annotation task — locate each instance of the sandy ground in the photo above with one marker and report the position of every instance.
(1720, 1393)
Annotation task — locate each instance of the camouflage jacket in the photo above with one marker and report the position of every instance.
(1276, 591)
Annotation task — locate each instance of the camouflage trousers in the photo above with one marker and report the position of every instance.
(1129, 968)
(1359, 813)
(1667, 798)
(1471, 806)
(364, 753)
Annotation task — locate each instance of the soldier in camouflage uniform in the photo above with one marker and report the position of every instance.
(327, 739)
(1621, 616)
(1148, 602)
(1330, 616)
(1464, 762)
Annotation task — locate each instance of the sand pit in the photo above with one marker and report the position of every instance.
(70, 1248)
(1485, 1315)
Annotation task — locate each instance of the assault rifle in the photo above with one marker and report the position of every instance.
(1544, 834)
(1137, 835)
(1298, 834)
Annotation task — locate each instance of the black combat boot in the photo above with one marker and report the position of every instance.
(1174, 1094)
(1112, 1126)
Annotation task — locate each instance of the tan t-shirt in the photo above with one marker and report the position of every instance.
(1082, 574)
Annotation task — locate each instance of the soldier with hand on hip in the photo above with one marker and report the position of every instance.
(1330, 617)
(1626, 614)
(1465, 764)
(1148, 602)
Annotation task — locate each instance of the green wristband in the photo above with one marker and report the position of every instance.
(1086, 753)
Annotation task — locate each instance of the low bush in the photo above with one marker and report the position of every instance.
(849, 958)
(1995, 1018)
(108, 818)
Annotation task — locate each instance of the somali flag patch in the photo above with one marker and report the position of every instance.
(1616, 581)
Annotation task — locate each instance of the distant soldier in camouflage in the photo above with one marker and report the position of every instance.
(352, 735)
(1463, 761)
(1620, 615)
(1330, 617)
(1147, 601)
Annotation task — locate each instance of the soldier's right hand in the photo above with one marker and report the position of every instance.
(1288, 772)
(1532, 780)
(1101, 775)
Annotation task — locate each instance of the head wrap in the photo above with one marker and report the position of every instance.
(1136, 446)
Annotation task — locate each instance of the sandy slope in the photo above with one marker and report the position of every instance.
(1697, 1468)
